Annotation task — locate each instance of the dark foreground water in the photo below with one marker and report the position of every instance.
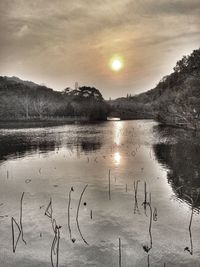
(66, 171)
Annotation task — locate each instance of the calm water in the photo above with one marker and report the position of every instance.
(45, 163)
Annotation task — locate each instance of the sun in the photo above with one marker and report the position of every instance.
(116, 64)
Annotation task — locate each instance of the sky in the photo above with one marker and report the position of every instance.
(60, 42)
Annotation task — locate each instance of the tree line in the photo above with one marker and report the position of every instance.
(175, 100)
(20, 100)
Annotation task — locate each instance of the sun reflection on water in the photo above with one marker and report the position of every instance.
(118, 129)
(117, 158)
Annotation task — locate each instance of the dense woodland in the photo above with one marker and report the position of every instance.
(22, 100)
(175, 100)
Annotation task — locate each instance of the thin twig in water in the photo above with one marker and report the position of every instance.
(135, 186)
(155, 214)
(69, 227)
(49, 210)
(150, 225)
(145, 192)
(190, 250)
(109, 193)
(58, 244)
(13, 234)
(77, 221)
(91, 215)
(55, 244)
(148, 261)
(49, 214)
(120, 253)
(21, 214)
(145, 198)
(19, 226)
(150, 198)
(146, 247)
(56, 229)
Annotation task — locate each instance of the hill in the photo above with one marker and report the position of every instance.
(25, 100)
(175, 100)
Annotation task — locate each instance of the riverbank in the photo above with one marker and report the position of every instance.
(49, 122)
(43, 122)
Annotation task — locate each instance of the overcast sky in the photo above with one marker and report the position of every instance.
(59, 42)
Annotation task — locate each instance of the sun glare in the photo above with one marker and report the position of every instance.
(116, 64)
(117, 158)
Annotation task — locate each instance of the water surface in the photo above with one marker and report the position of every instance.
(45, 163)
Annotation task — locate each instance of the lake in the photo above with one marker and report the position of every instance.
(117, 193)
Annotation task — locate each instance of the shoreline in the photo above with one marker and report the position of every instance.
(45, 122)
(42, 123)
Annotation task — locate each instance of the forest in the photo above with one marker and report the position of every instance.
(174, 101)
(24, 100)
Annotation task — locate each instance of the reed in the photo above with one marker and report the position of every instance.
(77, 215)
(91, 214)
(19, 227)
(15, 242)
(190, 250)
(145, 198)
(120, 253)
(109, 186)
(135, 187)
(55, 245)
(146, 247)
(148, 261)
(21, 215)
(69, 225)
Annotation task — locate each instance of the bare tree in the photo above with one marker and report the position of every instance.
(41, 105)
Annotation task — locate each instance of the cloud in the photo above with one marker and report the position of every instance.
(57, 42)
(22, 31)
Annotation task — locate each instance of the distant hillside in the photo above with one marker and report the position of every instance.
(24, 100)
(15, 80)
(175, 100)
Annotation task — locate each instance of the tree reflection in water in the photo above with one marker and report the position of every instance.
(179, 152)
(20, 144)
